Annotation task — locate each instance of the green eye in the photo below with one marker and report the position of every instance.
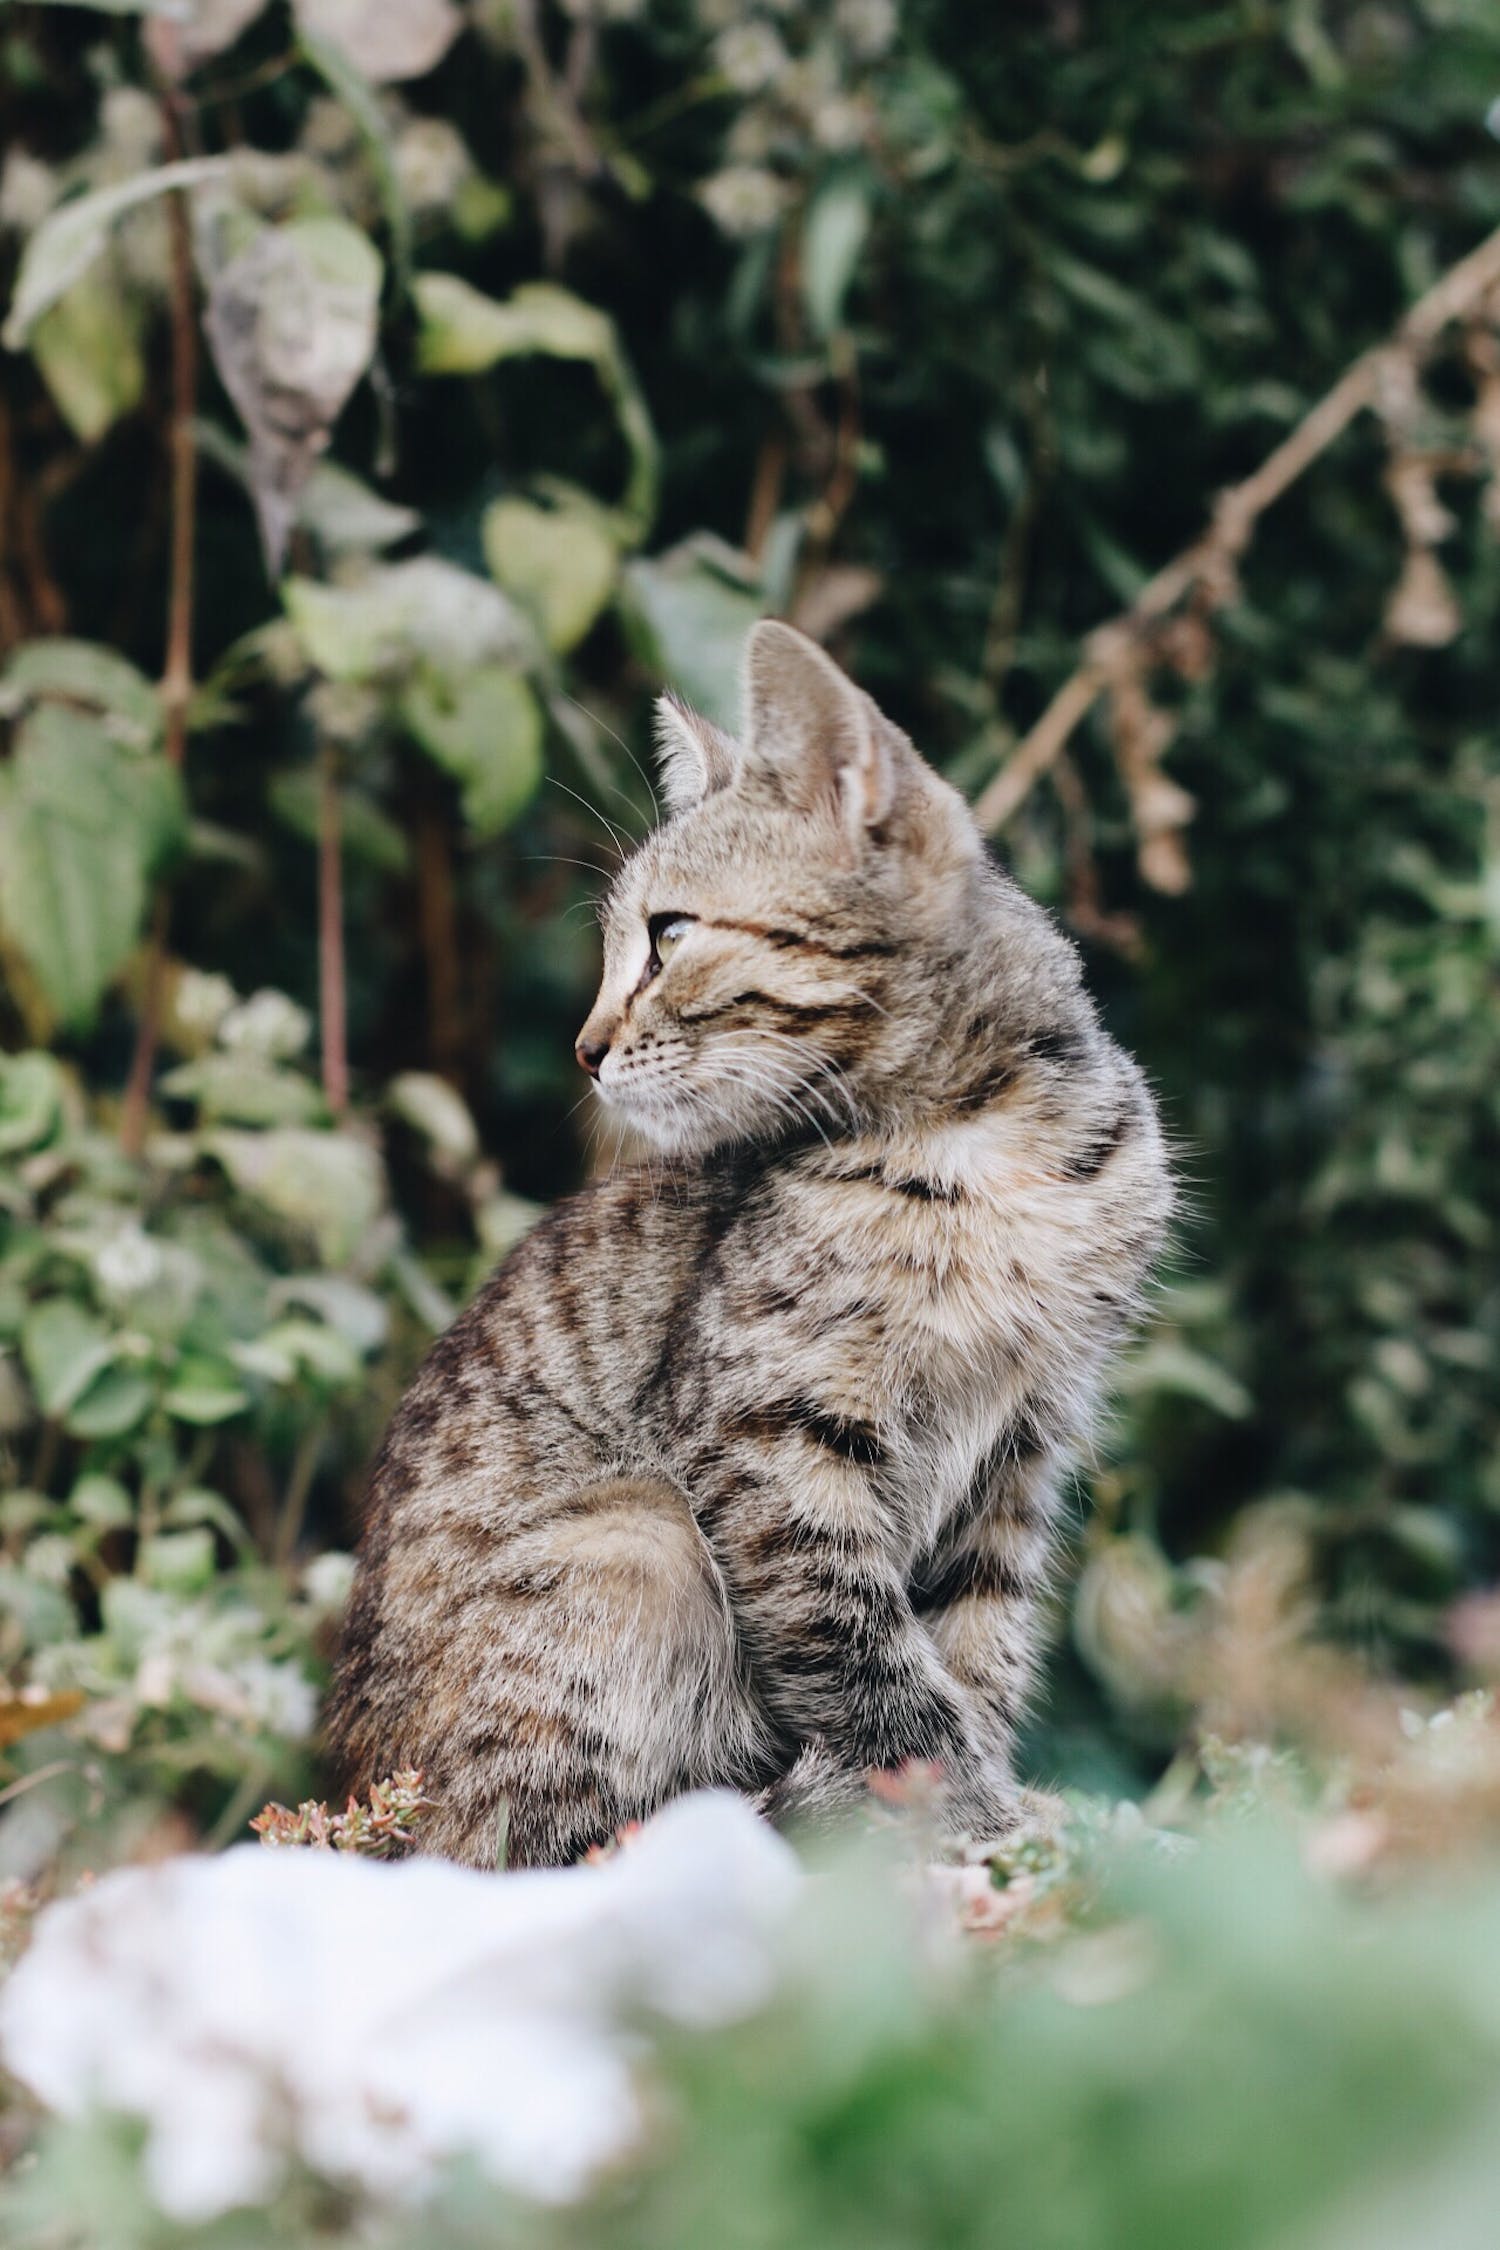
(667, 932)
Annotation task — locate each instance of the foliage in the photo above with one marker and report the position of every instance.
(393, 400)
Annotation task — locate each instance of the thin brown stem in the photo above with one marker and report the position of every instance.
(177, 670)
(1208, 562)
(331, 988)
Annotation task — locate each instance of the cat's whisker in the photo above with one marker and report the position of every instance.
(605, 728)
(614, 834)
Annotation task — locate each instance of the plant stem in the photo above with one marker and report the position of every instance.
(177, 671)
(298, 1485)
(331, 995)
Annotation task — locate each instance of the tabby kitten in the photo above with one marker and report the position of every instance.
(743, 1467)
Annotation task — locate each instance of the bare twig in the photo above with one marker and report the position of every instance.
(1208, 564)
(332, 1011)
(177, 671)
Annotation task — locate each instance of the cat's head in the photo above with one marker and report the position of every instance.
(774, 952)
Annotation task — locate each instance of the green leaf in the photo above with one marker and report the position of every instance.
(88, 350)
(197, 1505)
(243, 1090)
(693, 607)
(102, 1502)
(205, 1391)
(70, 238)
(59, 670)
(31, 1089)
(112, 1405)
(559, 563)
(441, 1116)
(328, 1185)
(348, 517)
(397, 615)
(294, 1351)
(64, 1346)
(178, 1562)
(1164, 1364)
(463, 332)
(357, 1313)
(838, 222)
(485, 728)
(348, 86)
(84, 827)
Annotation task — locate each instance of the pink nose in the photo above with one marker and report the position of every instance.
(591, 1053)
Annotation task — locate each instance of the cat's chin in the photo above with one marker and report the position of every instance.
(667, 1130)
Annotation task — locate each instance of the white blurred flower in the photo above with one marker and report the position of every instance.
(49, 1558)
(28, 190)
(268, 1024)
(841, 123)
(201, 1001)
(867, 27)
(326, 1581)
(743, 200)
(155, 1680)
(229, 2004)
(749, 56)
(128, 1263)
(130, 128)
(279, 1696)
(432, 162)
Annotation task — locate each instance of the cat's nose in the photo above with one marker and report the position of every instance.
(591, 1053)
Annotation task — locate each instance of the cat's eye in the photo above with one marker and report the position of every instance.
(666, 932)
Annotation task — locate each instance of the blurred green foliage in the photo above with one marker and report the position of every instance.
(936, 328)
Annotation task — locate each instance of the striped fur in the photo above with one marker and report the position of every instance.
(742, 1469)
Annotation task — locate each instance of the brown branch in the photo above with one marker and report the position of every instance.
(177, 670)
(1211, 557)
(331, 992)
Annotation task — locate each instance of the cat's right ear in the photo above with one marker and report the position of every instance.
(693, 756)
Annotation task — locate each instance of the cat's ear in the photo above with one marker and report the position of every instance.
(810, 733)
(693, 756)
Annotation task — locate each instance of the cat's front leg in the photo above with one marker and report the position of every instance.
(821, 1610)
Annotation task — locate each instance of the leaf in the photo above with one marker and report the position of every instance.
(178, 1562)
(387, 43)
(560, 563)
(112, 1405)
(67, 671)
(397, 615)
(31, 1090)
(1164, 1364)
(88, 349)
(294, 1350)
(102, 1502)
(348, 86)
(210, 26)
(430, 1105)
(64, 1346)
(338, 507)
(204, 1391)
(20, 1716)
(244, 1090)
(485, 728)
(328, 1185)
(70, 238)
(348, 517)
(693, 607)
(356, 1312)
(464, 332)
(291, 322)
(84, 827)
(838, 222)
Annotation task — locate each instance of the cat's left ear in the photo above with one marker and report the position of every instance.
(693, 756)
(810, 734)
